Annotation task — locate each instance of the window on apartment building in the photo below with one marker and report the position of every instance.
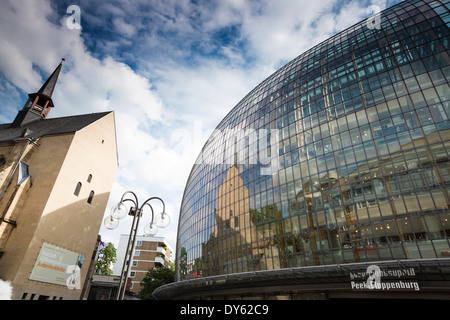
(91, 196)
(77, 189)
(137, 253)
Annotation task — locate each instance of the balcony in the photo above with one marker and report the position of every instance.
(160, 260)
(161, 250)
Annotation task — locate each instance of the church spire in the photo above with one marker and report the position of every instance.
(49, 85)
(39, 103)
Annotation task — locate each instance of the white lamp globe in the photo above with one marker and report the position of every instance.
(150, 229)
(119, 211)
(110, 223)
(162, 220)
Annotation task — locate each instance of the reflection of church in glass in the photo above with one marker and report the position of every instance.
(229, 246)
(235, 245)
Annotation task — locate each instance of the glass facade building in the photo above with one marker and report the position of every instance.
(341, 156)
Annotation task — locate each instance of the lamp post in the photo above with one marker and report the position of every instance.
(120, 211)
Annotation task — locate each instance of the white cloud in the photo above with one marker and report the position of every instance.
(211, 90)
(17, 53)
(126, 29)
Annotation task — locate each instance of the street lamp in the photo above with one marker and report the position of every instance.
(120, 211)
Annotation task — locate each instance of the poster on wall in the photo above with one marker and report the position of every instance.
(58, 266)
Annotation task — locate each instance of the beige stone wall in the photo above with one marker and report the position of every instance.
(10, 154)
(31, 202)
(52, 213)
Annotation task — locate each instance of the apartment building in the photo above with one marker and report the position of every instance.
(149, 252)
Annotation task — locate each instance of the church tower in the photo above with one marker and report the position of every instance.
(39, 103)
(56, 175)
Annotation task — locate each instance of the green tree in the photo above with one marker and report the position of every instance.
(156, 278)
(106, 258)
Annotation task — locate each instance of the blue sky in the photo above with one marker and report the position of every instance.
(169, 69)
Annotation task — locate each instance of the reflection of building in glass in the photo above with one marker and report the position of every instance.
(363, 169)
(230, 241)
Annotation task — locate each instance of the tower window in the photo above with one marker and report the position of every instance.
(91, 196)
(77, 189)
(23, 173)
(89, 178)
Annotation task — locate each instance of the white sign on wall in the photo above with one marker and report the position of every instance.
(57, 265)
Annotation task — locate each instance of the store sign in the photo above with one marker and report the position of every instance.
(58, 266)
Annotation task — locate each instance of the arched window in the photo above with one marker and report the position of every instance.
(91, 196)
(77, 189)
(89, 179)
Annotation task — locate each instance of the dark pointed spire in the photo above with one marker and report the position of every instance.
(49, 85)
(39, 103)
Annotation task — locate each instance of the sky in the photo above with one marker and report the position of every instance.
(169, 69)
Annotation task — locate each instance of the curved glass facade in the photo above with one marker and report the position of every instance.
(340, 156)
